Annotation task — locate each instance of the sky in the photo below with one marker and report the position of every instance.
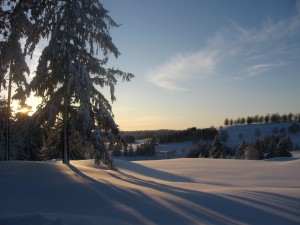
(198, 62)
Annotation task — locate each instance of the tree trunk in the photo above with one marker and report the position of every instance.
(65, 133)
(7, 150)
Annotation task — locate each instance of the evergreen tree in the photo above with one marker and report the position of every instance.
(130, 151)
(290, 117)
(204, 150)
(14, 26)
(69, 74)
(254, 151)
(240, 151)
(27, 139)
(217, 150)
(270, 143)
(2, 128)
(226, 122)
(283, 148)
(267, 118)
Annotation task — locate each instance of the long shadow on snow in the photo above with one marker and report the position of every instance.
(181, 206)
(150, 172)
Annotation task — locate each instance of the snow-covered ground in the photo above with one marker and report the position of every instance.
(239, 133)
(175, 191)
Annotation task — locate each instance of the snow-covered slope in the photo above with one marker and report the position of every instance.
(177, 191)
(239, 133)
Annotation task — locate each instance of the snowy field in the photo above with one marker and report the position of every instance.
(175, 191)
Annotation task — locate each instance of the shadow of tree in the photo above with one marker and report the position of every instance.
(163, 203)
(150, 172)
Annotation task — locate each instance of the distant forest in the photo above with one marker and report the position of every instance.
(269, 118)
(190, 134)
(169, 136)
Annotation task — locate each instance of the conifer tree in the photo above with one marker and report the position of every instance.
(14, 26)
(71, 71)
(240, 151)
(130, 151)
(283, 147)
(217, 150)
(254, 151)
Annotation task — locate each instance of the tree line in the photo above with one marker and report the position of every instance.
(190, 134)
(267, 147)
(170, 136)
(269, 118)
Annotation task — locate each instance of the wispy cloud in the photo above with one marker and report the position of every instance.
(255, 70)
(234, 53)
(183, 67)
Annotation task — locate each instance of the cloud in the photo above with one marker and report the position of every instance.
(233, 53)
(258, 69)
(181, 68)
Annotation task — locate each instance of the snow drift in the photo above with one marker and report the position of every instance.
(177, 191)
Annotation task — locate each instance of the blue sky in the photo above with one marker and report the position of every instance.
(197, 62)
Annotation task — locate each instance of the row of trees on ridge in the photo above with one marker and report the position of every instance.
(269, 118)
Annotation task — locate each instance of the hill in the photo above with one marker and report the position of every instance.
(249, 133)
(177, 191)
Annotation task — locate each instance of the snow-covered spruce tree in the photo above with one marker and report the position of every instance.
(270, 143)
(283, 147)
(71, 71)
(240, 151)
(254, 151)
(217, 150)
(14, 26)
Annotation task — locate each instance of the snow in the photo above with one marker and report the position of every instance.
(248, 132)
(173, 191)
